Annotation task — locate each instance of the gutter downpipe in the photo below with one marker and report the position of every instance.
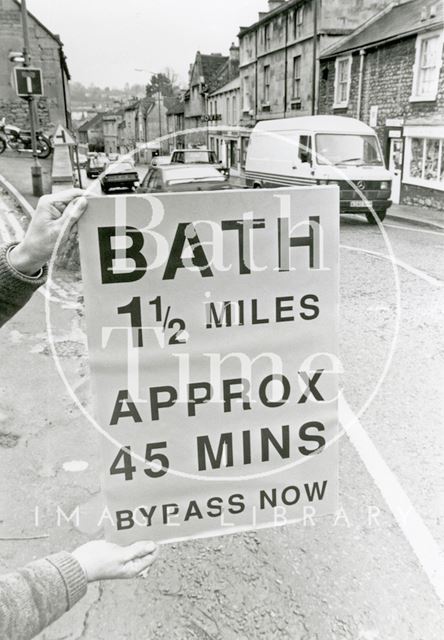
(360, 83)
(286, 67)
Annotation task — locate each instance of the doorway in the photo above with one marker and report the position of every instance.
(395, 166)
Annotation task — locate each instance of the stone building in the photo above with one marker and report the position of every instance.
(277, 53)
(223, 110)
(111, 135)
(46, 51)
(176, 124)
(91, 133)
(389, 73)
(202, 79)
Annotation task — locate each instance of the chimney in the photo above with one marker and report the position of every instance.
(234, 53)
(274, 4)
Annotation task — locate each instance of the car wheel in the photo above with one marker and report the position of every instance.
(257, 186)
(372, 218)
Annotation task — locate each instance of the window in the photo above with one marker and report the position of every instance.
(234, 110)
(346, 149)
(342, 81)
(246, 100)
(267, 36)
(297, 77)
(427, 66)
(228, 114)
(304, 153)
(424, 159)
(267, 84)
(298, 21)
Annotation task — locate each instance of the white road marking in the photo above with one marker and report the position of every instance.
(398, 226)
(399, 263)
(410, 522)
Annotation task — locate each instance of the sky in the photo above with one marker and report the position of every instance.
(106, 40)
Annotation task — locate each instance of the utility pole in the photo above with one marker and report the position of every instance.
(36, 169)
(315, 58)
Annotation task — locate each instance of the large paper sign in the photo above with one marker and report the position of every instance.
(212, 322)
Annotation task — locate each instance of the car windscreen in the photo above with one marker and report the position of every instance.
(196, 157)
(347, 149)
(120, 167)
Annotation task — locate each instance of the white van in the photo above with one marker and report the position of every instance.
(322, 150)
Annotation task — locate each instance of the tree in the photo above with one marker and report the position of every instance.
(163, 83)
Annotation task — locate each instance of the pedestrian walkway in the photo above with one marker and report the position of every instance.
(418, 215)
(11, 222)
(16, 169)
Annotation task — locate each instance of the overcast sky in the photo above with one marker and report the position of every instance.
(105, 40)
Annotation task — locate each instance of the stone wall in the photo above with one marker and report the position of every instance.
(45, 53)
(422, 197)
(387, 83)
(16, 112)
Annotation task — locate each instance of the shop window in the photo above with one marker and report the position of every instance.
(424, 163)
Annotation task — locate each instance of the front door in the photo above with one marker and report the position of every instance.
(395, 167)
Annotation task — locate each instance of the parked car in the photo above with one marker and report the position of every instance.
(312, 150)
(120, 175)
(183, 177)
(196, 156)
(95, 165)
(157, 161)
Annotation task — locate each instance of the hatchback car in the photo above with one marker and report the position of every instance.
(182, 177)
(120, 175)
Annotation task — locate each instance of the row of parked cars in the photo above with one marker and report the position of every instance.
(183, 170)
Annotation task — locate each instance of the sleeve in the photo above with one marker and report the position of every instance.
(15, 287)
(37, 595)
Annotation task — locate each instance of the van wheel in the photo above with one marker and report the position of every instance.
(372, 218)
(257, 186)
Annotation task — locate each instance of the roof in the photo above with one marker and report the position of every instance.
(393, 23)
(324, 124)
(177, 108)
(270, 14)
(210, 65)
(90, 124)
(229, 86)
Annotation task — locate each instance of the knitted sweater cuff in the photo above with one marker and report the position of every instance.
(72, 574)
(17, 283)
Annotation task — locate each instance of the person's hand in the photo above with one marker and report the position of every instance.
(50, 216)
(102, 560)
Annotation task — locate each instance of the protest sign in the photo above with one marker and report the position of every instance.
(212, 331)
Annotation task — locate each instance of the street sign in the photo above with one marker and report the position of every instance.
(28, 81)
(212, 332)
(62, 137)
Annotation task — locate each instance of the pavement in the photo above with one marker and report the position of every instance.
(347, 578)
(16, 168)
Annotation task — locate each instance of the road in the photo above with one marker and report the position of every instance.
(363, 575)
